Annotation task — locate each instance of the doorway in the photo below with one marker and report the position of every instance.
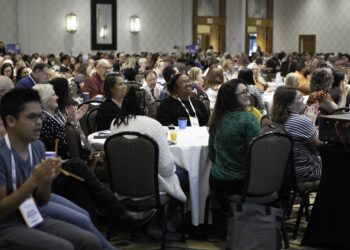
(259, 24)
(208, 35)
(307, 43)
(209, 24)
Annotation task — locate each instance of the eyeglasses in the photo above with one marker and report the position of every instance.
(244, 92)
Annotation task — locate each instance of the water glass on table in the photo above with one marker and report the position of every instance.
(182, 122)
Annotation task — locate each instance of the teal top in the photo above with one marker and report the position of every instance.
(228, 145)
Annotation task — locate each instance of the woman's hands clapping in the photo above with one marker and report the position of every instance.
(312, 111)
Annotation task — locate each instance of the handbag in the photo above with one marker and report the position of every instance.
(254, 226)
(96, 161)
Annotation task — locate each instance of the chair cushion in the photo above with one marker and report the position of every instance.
(149, 201)
(308, 186)
(264, 199)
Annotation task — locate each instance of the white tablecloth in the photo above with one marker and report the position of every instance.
(190, 152)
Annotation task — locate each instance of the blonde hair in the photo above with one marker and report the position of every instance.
(194, 72)
(292, 80)
(214, 77)
(226, 63)
(45, 92)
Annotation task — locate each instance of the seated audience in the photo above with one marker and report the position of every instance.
(5, 86)
(131, 118)
(320, 87)
(94, 83)
(40, 74)
(340, 81)
(7, 70)
(152, 92)
(292, 80)
(20, 110)
(247, 76)
(289, 109)
(181, 104)
(90, 193)
(114, 90)
(228, 68)
(168, 73)
(212, 84)
(231, 130)
(22, 72)
(304, 83)
(81, 73)
(258, 79)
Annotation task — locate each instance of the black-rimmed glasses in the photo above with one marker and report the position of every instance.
(244, 92)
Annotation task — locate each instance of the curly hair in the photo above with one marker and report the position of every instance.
(321, 79)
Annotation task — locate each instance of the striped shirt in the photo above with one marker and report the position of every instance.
(307, 162)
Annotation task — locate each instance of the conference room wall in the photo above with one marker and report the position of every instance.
(8, 21)
(38, 25)
(328, 20)
(235, 25)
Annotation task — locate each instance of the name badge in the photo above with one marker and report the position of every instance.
(194, 121)
(30, 213)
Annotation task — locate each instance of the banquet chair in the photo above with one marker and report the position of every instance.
(203, 97)
(73, 141)
(267, 167)
(91, 120)
(253, 101)
(92, 104)
(83, 121)
(138, 78)
(302, 190)
(133, 84)
(133, 163)
(343, 110)
(265, 120)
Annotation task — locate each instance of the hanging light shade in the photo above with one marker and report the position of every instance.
(135, 24)
(71, 22)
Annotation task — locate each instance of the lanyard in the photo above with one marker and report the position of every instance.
(183, 105)
(13, 163)
(61, 122)
(31, 78)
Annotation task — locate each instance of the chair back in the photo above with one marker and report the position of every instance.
(92, 104)
(203, 97)
(265, 120)
(253, 101)
(73, 141)
(343, 110)
(83, 121)
(133, 84)
(133, 162)
(91, 120)
(268, 159)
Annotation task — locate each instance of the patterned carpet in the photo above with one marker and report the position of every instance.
(195, 237)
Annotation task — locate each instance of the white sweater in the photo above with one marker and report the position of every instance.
(168, 180)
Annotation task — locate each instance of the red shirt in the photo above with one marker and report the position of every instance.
(94, 85)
